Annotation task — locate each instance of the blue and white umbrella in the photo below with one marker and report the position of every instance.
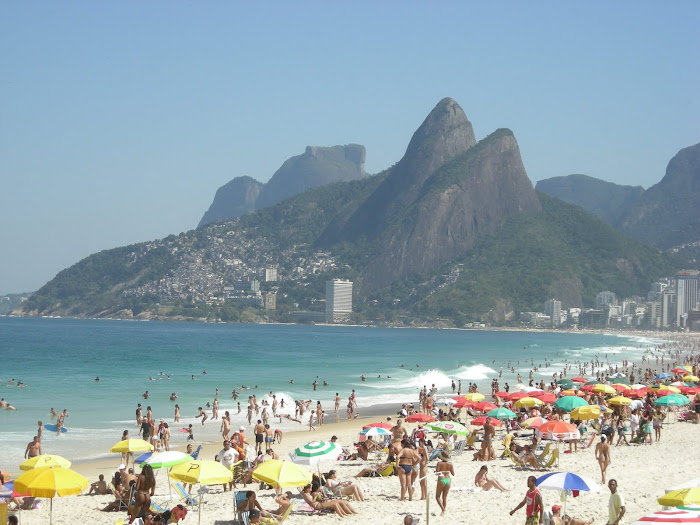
(375, 432)
(566, 481)
(663, 375)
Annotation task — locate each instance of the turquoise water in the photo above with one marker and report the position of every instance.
(59, 358)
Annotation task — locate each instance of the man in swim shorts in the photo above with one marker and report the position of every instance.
(259, 431)
(33, 449)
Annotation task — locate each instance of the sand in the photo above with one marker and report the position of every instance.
(642, 472)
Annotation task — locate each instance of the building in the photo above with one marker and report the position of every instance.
(338, 300)
(270, 274)
(668, 308)
(270, 301)
(552, 308)
(604, 299)
(686, 295)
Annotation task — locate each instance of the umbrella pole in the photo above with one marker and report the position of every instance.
(51, 512)
(427, 503)
(200, 505)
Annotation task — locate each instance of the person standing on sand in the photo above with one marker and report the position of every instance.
(177, 413)
(336, 402)
(166, 437)
(259, 431)
(602, 454)
(486, 447)
(407, 460)
(202, 414)
(616, 504)
(40, 430)
(444, 470)
(33, 449)
(534, 509)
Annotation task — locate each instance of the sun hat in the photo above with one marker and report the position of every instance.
(555, 508)
(241, 428)
(122, 466)
(444, 455)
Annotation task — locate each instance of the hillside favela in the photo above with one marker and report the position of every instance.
(452, 235)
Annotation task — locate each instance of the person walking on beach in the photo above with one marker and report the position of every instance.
(486, 447)
(602, 454)
(616, 504)
(177, 413)
(407, 460)
(444, 470)
(33, 448)
(225, 426)
(534, 509)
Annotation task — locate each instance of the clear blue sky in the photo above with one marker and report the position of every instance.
(119, 120)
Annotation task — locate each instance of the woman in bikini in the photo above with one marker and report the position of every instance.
(407, 458)
(482, 480)
(342, 508)
(444, 471)
(145, 487)
(344, 488)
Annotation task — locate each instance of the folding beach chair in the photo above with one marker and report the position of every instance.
(187, 499)
(238, 498)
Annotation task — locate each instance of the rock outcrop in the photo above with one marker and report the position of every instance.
(235, 198)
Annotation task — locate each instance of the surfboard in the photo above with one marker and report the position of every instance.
(53, 428)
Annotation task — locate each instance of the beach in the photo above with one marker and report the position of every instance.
(642, 472)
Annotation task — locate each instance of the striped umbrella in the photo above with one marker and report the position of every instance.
(166, 459)
(448, 427)
(375, 432)
(669, 516)
(315, 452)
(533, 422)
(567, 481)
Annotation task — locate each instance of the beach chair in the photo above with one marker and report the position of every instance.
(123, 505)
(459, 447)
(238, 498)
(187, 499)
(552, 459)
(593, 436)
(470, 441)
(541, 457)
(271, 520)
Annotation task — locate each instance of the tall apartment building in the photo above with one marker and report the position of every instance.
(686, 294)
(552, 308)
(270, 274)
(668, 308)
(338, 300)
(605, 299)
(270, 301)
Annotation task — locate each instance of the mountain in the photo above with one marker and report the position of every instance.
(235, 198)
(606, 200)
(315, 167)
(456, 232)
(666, 215)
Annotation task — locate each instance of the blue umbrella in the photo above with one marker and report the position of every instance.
(565, 481)
(663, 375)
(143, 457)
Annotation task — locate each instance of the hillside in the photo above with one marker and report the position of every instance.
(460, 235)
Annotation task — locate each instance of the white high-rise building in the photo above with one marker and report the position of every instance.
(552, 308)
(270, 274)
(338, 300)
(686, 294)
(605, 299)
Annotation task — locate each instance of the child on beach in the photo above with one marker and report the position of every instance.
(190, 432)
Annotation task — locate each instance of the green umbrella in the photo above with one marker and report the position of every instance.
(448, 427)
(501, 413)
(568, 403)
(672, 400)
(618, 380)
(565, 383)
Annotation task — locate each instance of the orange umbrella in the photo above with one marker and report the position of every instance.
(419, 418)
(481, 421)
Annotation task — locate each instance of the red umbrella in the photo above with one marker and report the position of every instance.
(679, 371)
(689, 390)
(620, 388)
(547, 397)
(557, 427)
(662, 393)
(385, 426)
(536, 393)
(484, 406)
(579, 380)
(419, 418)
(516, 395)
(481, 421)
(588, 388)
(501, 394)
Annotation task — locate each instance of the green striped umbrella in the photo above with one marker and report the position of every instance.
(568, 403)
(501, 413)
(565, 384)
(315, 452)
(167, 459)
(448, 427)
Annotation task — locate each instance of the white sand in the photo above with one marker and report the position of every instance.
(642, 472)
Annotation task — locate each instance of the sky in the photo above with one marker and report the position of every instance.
(119, 120)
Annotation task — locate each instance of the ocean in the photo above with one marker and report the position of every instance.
(58, 360)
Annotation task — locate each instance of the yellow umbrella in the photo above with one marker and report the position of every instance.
(475, 396)
(587, 412)
(528, 402)
(49, 482)
(46, 460)
(691, 377)
(280, 473)
(604, 389)
(619, 400)
(131, 445)
(204, 472)
(676, 498)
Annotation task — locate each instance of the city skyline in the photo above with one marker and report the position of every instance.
(122, 120)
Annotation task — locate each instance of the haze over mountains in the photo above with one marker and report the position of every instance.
(666, 215)
(454, 230)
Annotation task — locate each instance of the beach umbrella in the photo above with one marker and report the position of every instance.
(558, 430)
(568, 392)
(663, 517)
(689, 390)
(501, 394)
(618, 381)
(128, 446)
(280, 473)
(661, 376)
(637, 403)
(143, 457)
(604, 389)
(535, 393)
(589, 387)
(528, 402)
(672, 400)
(46, 460)
(676, 498)
(419, 418)
(166, 459)
(448, 427)
(515, 396)
(375, 432)
(566, 481)
(315, 452)
(501, 413)
(620, 400)
(546, 397)
(584, 413)
(449, 401)
(691, 377)
(533, 422)
(579, 380)
(484, 406)
(565, 383)
(204, 472)
(381, 424)
(621, 388)
(474, 396)
(49, 482)
(568, 403)
(481, 421)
